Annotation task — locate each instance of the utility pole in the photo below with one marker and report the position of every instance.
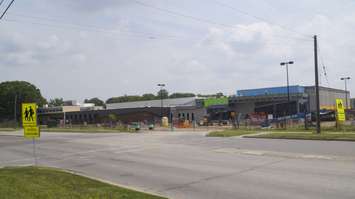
(317, 84)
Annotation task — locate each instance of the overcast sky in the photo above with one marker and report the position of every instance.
(85, 48)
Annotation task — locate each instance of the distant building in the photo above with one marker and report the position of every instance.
(274, 100)
(188, 108)
(178, 102)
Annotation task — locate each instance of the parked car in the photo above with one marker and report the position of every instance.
(135, 125)
(325, 116)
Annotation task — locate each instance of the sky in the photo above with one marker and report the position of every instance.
(85, 48)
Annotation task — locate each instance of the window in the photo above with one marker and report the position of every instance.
(188, 116)
(192, 116)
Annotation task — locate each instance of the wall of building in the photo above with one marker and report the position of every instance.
(244, 108)
(188, 101)
(327, 97)
(189, 113)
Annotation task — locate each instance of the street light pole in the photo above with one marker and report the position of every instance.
(161, 99)
(345, 79)
(288, 83)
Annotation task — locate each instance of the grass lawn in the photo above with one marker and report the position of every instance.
(45, 183)
(330, 136)
(86, 130)
(232, 132)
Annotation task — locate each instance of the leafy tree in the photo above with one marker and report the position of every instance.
(149, 96)
(21, 92)
(95, 101)
(219, 95)
(181, 95)
(56, 102)
(112, 118)
(163, 94)
(125, 98)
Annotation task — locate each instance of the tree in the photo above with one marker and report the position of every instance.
(181, 95)
(149, 96)
(112, 118)
(219, 95)
(56, 102)
(95, 101)
(21, 92)
(163, 94)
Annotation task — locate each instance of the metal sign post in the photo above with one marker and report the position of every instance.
(34, 150)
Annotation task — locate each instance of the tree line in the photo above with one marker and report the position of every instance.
(14, 93)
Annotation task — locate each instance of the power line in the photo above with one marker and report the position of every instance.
(323, 65)
(206, 21)
(61, 22)
(57, 23)
(7, 8)
(113, 33)
(258, 18)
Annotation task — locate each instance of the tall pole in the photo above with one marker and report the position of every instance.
(287, 112)
(161, 99)
(345, 79)
(15, 111)
(317, 84)
(161, 102)
(288, 91)
(346, 94)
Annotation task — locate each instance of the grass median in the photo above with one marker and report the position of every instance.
(327, 136)
(43, 183)
(232, 133)
(88, 130)
(8, 129)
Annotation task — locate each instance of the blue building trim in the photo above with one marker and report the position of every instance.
(270, 91)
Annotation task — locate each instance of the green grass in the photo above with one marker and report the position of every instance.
(45, 183)
(87, 130)
(232, 132)
(328, 136)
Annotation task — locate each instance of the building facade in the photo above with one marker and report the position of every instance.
(276, 101)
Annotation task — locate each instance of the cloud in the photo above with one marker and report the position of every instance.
(203, 58)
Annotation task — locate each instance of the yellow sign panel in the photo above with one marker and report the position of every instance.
(29, 114)
(32, 132)
(340, 110)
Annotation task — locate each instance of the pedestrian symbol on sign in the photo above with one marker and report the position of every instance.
(29, 117)
(29, 112)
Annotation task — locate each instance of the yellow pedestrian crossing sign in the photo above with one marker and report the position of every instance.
(340, 110)
(29, 114)
(31, 132)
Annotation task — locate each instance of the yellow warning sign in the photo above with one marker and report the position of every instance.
(29, 114)
(340, 110)
(31, 132)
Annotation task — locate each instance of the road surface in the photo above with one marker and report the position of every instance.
(184, 165)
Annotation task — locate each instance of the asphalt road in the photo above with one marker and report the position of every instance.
(183, 165)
